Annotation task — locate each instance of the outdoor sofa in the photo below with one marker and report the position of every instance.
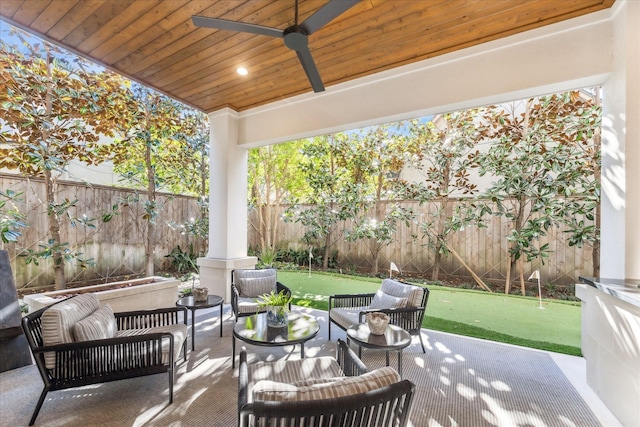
(76, 342)
(322, 392)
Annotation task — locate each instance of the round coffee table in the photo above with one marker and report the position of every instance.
(193, 305)
(255, 331)
(394, 339)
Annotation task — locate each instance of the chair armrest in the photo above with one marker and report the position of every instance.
(350, 300)
(108, 356)
(235, 294)
(280, 287)
(150, 318)
(351, 364)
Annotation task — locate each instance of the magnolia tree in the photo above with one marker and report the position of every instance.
(274, 180)
(53, 112)
(11, 219)
(445, 143)
(157, 151)
(542, 160)
(327, 204)
(374, 160)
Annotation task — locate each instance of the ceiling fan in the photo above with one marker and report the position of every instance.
(295, 37)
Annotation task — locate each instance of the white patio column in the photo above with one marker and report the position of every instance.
(227, 206)
(620, 235)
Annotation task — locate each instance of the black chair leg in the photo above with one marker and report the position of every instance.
(421, 343)
(38, 406)
(171, 370)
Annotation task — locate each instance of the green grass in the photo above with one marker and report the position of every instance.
(493, 316)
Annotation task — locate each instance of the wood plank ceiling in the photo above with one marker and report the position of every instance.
(155, 42)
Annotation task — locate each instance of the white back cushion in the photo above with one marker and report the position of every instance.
(254, 283)
(412, 293)
(99, 325)
(59, 320)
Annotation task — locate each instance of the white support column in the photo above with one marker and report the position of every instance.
(632, 143)
(620, 234)
(610, 324)
(227, 206)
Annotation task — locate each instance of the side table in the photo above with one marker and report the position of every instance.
(394, 339)
(193, 305)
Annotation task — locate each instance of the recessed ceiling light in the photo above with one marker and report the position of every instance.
(242, 71)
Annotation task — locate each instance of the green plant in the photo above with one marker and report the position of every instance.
(183, 261)
(274, 299)
(11, 220)
(186, 292)
(268, 256)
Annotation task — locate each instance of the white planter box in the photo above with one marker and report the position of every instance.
(162, 292)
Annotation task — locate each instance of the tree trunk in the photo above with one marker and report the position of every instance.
(521, 271)
(507, 283)
(151, 222)
(54, 231)
(50, 188)
(445, 212)
(327, 246)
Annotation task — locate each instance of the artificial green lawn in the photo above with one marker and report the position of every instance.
(494, 316)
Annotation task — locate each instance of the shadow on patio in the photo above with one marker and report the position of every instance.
(460, 382)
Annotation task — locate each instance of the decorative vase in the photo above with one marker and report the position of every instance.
(277, 316)
(377, 322)
(200, 294)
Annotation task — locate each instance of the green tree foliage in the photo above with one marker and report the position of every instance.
(273, 180)
(328, 203)
(162, 148)
(542, 160)
(375, 159)
(11, 219)
(53, 111)
(444, 145)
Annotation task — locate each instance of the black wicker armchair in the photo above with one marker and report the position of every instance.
(404, 303)
(247, 286)
(357, 396)
(147, 342)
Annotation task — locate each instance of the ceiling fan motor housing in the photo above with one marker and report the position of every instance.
(295, 37)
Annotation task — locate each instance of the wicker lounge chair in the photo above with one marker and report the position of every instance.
(247, 286)
(404, 303)
(76, 342)
(322, 392)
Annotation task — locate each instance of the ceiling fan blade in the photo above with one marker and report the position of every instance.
(225, 24)
(309, 66)
(326, 14)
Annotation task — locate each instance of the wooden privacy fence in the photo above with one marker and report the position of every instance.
(117, 246)
(484, 250)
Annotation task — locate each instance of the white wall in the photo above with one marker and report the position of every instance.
(567, 55)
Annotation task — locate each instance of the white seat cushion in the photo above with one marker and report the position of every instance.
(293, 371)
(179, 332)
(249, 306)
(346, 317)
(268, 390)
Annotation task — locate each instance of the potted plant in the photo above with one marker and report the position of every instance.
(277, 305)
